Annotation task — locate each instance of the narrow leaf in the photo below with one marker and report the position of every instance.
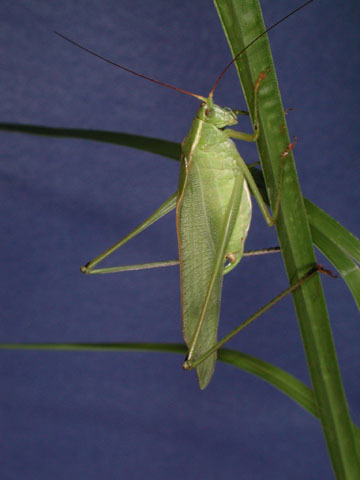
(152, 145)
(242, 22)
(278, 378)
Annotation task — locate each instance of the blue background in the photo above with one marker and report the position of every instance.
(117, 415)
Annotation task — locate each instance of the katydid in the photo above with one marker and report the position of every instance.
(213, 214)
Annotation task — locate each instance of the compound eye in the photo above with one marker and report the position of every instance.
(208, 112)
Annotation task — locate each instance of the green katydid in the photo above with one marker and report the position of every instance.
(213, 214)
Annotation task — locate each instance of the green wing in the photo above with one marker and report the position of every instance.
(198, 236)
(207, 212)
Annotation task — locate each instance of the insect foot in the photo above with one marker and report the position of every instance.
(289, 148)
(187, 365)
(84, 269)
(319, 268)
(261, 77)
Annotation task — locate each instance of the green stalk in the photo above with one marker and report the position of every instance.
(242, 22)
(275, 376)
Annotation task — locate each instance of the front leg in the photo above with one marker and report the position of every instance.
(253, 137)
(250, 137)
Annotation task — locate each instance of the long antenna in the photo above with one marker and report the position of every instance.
(167, 85)
(252, 42)
(127, 69)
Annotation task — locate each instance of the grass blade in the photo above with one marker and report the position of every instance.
(278, 378)
(242, 22)
(148, 144)
(338, 245)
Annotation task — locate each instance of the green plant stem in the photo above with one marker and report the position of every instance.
(275, 376)
(242, 21)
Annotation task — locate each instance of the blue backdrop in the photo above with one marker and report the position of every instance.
(117, 415)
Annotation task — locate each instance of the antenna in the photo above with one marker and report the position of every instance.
(167, 85)
(252, 42)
